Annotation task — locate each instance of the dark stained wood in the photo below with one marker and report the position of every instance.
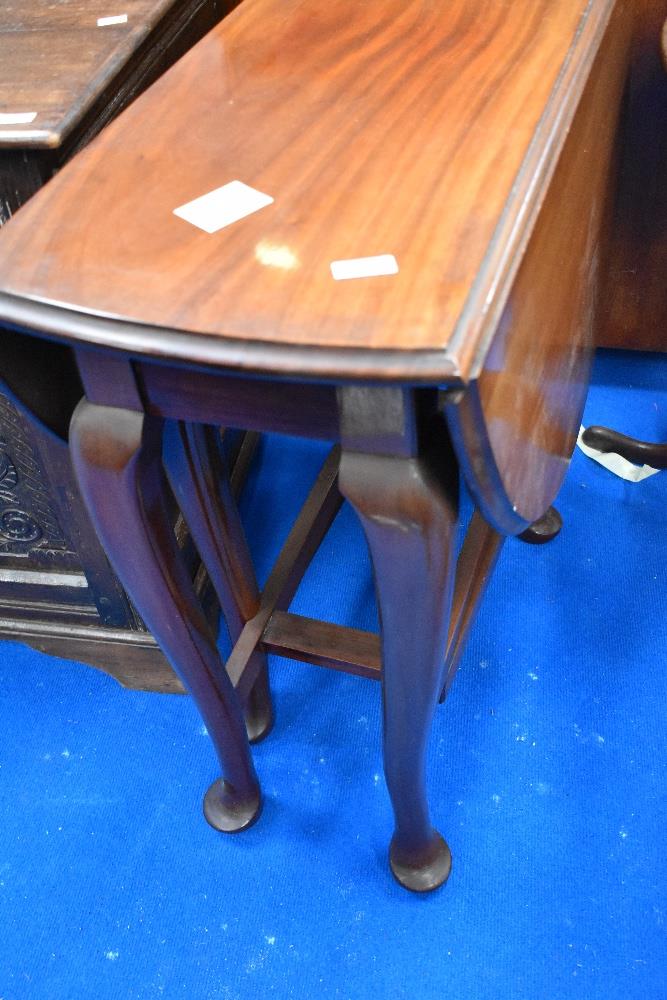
(192, 455)
(58, 592)
(474, 566)
(357, 652)
(315, 518)
(134, 659)
(193, 462)
(545, 529)
(69, 628)
(634, 305)
(640, 452)
(475, 143)
(28, 370)
(22, 173)
(98, 372)
(408, 506)
(239, 459)
(239, 402)
(118, 462)
(323, 644)
(199, 350)
(58, 63)
(49, 555)
(75, 77)
(55, 61)
(533, 378)
(362, 122)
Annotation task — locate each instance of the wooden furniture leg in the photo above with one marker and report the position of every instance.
(544, 529)
(407, 500)
(196, 471)
(118, 462)
(477, 559)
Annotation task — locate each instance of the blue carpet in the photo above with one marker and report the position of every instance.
(547, 774)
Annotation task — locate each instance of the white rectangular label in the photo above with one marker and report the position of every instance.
(222, 206)
(18, 118)
(364, 267)
(103, 22)
(44, 579)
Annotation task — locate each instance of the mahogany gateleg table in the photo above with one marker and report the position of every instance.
(402, 255)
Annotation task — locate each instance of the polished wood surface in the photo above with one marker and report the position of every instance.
(195, 467)
(479, 142)
(55, 62)
(534, 378)
(419, 129)
(66, 77)
(406, 496)
(308, 531)
(117, 457)
(634, 305)
(475, 564)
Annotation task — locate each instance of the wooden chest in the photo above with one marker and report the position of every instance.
(66, 69)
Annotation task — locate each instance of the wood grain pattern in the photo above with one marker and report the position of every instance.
(415, 128)
(324, 644)
(56, 62)
(532, 385)
(285, 407)
(473, 142)
(74, 77)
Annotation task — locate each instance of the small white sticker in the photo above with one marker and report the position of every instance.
(224, 205)
(104, 22)
(18, 118)
(364, 267)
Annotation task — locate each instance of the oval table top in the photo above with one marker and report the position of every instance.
(373, 172)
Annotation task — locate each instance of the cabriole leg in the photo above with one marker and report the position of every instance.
(407, 504)
(200, 482)
(118, 463)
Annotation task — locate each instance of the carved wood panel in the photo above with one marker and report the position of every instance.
(29, 524)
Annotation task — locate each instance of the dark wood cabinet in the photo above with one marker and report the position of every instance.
(57, 590)
(71, 76)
